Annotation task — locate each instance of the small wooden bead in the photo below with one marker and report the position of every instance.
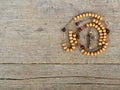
(78, 17)
(104, 30)
(71, 41)
(105, 33)
(70, 35)
(70, 38)
(101, 50)
(103, 27)
(90, 24)
(63, 29)
(96, 15)
(95, 53)
(98, 52)
(82, 50)
(73, 47)
(101, 18)
(67, 50)
(90, 14)
(101, 34)
(103, 42)
(74, 39)
(94, 20)
(75, 18)
(100, 31)
(63, 44)
(106, 44)
(76, 42)
(100, 44)
(88, 53)
(99, 23)
(70, 31)
(105, 37)
(73, 44)
(85, 53)
(93, 15)
(93, 25)
(74, 35)
(87, 25)
(65, 47)
(86, 14)
(100, 40)
(91, 53)
(96, 26)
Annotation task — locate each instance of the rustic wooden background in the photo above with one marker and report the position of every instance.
(31, 57)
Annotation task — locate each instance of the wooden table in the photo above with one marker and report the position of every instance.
(31, 57)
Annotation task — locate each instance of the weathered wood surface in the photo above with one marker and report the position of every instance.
(31, 57)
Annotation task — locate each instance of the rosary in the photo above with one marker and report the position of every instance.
(83, 22)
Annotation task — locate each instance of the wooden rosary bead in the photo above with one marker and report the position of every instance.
(86, 14)
(74, 39)
(63, 44)
(70, 38)
(98, 52)
(92, 54)
(107, 31)
(71, 41)
(100, 44)
(77, 23)
(63, 29)
(76, 42)
(93, 15)
(90, 14)
(74, 35)
(85, 52)
(96, 15)
(75, 18)
(73, 47)
(67, 50)
(78, 17)
(88, 53)
(65, 47)
(82, 51)
(70, 31)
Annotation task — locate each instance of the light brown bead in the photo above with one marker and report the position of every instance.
(78, 17)
(74, 39)
(100, 31)
(103, 42)
(70, 31)
(67, 50)
(88, 53)
(100, 44)
(101, 50)
(76, 42)
(87, 25)
(95, 53)
(90, 14)
(92, 54)
(73, 47)
(90, 24)
(86, 14)
(74, 35)
(98, 52)
(70, 35)
(96, 26)
(63, 44)
(82, 50)
(65, 47)
(70, 38)
(94, 20)
(73, 44)
(93, 15)
(85, 52)
(96, 15)
(101, 18)
(106, 44)
(100, 40)
(71, 41)
(75, 18)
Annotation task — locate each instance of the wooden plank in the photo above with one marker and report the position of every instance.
(65, 77)
(30, 30)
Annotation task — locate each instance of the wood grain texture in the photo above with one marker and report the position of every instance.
(31, 57)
